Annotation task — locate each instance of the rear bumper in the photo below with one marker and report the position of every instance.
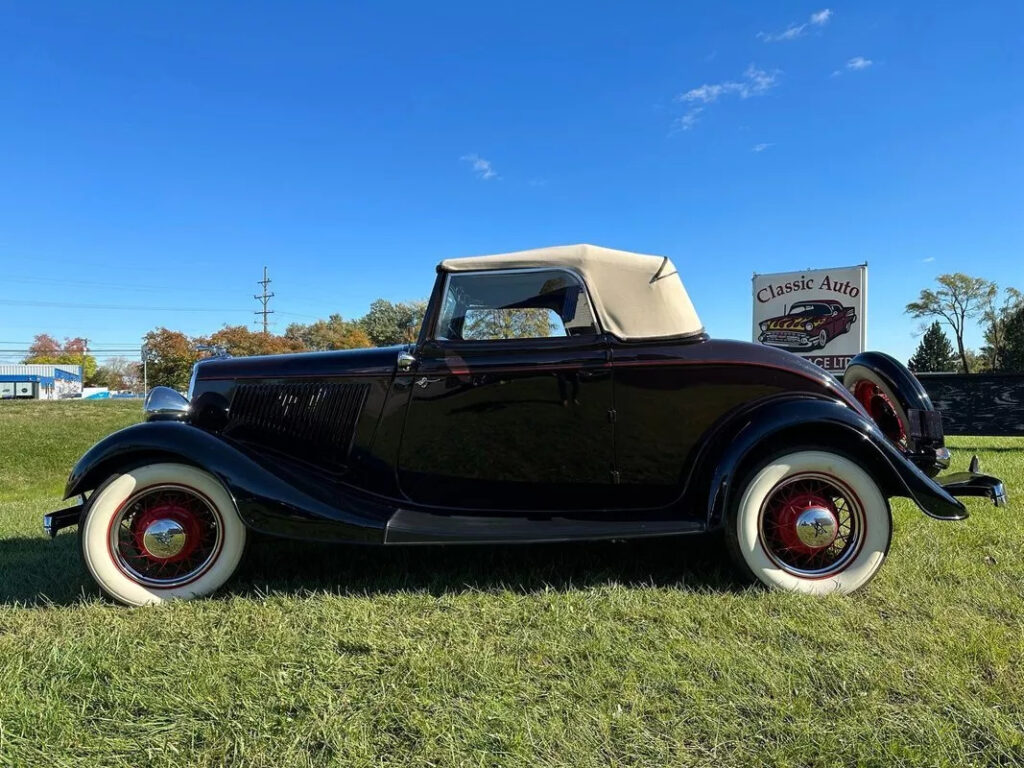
(974, 484)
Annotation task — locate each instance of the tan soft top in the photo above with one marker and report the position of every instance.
(636, 296)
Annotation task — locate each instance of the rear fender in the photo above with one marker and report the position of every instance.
(803, 422)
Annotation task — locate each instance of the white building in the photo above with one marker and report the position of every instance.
(31, 381)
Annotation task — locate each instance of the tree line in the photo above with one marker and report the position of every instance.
(958, 300)
(170, 354)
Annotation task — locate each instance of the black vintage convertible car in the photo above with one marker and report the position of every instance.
(557, 394)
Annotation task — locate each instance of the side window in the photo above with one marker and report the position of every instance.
(484, 306)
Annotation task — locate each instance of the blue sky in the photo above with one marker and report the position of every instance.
(157, 155)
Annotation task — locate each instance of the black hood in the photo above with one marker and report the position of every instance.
(376, 360)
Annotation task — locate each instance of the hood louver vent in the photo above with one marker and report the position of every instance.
(311, 421)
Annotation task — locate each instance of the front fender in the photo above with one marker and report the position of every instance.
(800, 422)
(268, 496)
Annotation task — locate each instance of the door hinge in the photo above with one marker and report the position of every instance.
(616, 477)
(611, 415)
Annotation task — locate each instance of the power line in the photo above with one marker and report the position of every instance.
(265, 298)
(63, 305)
(102, 284)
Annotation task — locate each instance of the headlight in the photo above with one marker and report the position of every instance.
(808, 326)
(764, 326)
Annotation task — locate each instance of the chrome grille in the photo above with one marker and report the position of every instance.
(312, 421)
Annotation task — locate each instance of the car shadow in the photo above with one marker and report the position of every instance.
(688, 562)
(38, 572)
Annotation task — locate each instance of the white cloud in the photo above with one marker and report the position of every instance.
(755, 81)
(790, 33)
(705, 93)
(927, 259)
(793, 31)
(481, 167)
(761, 147)
(856, 64)
(688, 120)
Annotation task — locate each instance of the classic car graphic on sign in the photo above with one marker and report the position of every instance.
(558, 394)
(808, 325)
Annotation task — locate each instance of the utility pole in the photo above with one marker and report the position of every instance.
(145, 374)
(265, 298)
(85, 350)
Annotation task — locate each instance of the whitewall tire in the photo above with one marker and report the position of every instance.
(811, 521)
(161, 532)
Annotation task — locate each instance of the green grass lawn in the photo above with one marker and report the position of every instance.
(582, 655)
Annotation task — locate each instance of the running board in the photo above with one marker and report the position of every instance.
(411, 527)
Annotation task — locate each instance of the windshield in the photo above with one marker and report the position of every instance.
(818, 310)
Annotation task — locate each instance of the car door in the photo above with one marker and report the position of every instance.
(510, 397)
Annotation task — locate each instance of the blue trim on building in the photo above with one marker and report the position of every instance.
(45, 380)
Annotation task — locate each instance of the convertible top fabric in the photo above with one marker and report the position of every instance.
(635, 296)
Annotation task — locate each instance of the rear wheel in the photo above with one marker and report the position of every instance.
(810, 521)
(161, 532)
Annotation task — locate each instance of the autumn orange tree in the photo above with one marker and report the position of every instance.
(47, 350)
(239, 341)
(169, 356)
(333, 333)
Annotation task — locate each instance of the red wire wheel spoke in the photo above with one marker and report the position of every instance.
(882, 411)
(166, 536)
(811, 525)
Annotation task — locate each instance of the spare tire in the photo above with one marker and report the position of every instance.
(896, 401)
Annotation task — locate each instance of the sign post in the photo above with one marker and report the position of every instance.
(819, 314)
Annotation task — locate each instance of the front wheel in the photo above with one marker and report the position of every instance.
(810, 521)
(161, 532)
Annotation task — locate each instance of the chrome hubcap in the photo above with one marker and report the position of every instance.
(817, 527)
(164, 538)
(811, 525)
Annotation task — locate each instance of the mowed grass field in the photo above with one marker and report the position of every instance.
(583, 655)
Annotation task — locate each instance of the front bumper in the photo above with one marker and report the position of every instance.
(63, 518)
(786, 339)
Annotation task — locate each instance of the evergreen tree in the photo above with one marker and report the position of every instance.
(1013, 343)
(934, 353)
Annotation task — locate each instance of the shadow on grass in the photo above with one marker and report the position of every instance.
(988, 448)
(36, 571)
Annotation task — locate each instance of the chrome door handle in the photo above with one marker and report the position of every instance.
(406, 361)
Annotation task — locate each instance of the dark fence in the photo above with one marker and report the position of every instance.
(978, 403)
